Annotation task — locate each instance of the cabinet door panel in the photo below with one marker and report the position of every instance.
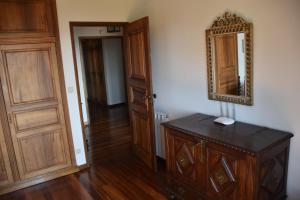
(36, 118)
(226, 178)
(19, 18)
(48, 151)
(184, 159)
(27, 16)
(32, 95)
(29, 75)
(5, 170)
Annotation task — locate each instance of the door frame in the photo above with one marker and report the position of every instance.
(86, 24)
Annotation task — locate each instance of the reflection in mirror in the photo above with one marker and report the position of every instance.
(229, 66)
(229, 60)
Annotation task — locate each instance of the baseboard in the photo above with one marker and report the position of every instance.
(38, 180)
(83, 167)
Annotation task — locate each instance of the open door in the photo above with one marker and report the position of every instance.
(139, 83)
(227, 64)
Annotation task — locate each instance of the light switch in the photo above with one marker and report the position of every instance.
(78, 151)
(70, 89)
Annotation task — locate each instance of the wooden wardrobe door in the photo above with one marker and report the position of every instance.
(5, 170)
(32, 95)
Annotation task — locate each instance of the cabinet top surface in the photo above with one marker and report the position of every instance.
(247, 137)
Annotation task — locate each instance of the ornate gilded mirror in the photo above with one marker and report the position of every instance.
(229, 60)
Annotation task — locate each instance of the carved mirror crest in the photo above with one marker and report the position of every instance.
(229, 60)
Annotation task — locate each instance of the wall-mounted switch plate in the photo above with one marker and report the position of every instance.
(78, 151)
(70, 89)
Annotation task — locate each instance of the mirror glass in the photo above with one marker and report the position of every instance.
(229, 49)
(229, 64)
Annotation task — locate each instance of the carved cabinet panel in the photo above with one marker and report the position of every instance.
(272, 175)
(184, 158)
(225, 173)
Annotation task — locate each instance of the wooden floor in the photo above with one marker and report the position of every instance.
(115, 173)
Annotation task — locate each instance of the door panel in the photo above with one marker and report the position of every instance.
(138, 72)
(141, 141)
(138, 100)
(137, 58)
(32, 95)
(94, 70)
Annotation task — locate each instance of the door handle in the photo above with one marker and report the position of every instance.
(150, 97)
(147, 97)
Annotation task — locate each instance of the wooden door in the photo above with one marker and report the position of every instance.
(32, 95)
(228, 173)
(94, 70)
(6, 176)
(226, 64)
(139, 84)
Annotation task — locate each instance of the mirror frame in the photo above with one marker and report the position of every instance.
(230, 23)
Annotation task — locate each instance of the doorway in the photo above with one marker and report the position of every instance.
(102, 87)
(132, 42)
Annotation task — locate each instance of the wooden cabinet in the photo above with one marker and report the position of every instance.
(32, 95)
(35, 141)
(240, 161)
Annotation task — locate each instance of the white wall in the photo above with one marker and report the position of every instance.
(86, 32)
(177, 31)
(114, 70)
(87, 10)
